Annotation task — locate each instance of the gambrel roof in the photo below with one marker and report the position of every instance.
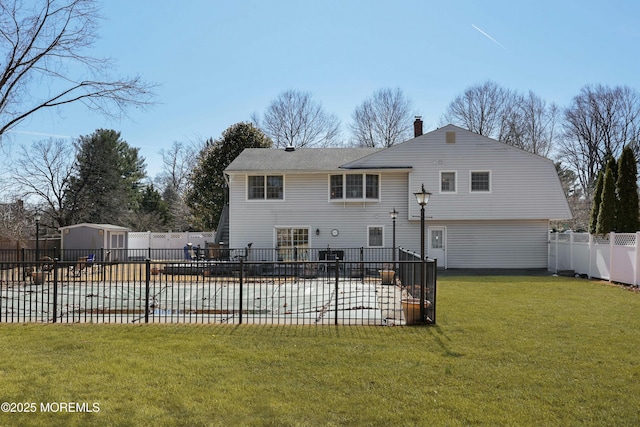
(521, 185)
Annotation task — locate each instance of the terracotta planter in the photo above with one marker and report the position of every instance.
(387, 277)
(411, 309)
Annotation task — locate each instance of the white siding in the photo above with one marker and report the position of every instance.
(497, 244)
(470, 244)
(523, 185)
(483, 244)
(504, 228)
(307, 204)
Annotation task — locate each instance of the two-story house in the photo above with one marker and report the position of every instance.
(490, 206)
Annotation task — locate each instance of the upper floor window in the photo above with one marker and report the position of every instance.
(447, 182)
(480, 181)
(269, 187)
(354, 187)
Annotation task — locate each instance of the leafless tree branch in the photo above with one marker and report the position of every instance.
(383, 120)
(44, 63)
(295, 119)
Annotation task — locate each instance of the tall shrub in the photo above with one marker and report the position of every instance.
(627, 219)
(597, 199)
(607, 213)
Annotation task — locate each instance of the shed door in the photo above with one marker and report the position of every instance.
(438, 245)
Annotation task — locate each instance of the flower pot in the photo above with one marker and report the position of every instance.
(39, 277)
(411, 309)
(387, 276)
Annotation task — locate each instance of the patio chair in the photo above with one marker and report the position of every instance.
(84, 263)
(242, 254)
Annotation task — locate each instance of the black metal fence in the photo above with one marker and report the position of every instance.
(331, 291)
(209, 253)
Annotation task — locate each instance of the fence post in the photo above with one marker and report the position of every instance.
(147, 286)
(636, 264)
(23, 265)
(362, 263)
(241, 280)
(435, 286)
(590, 253)
(335, 320)
(423, 287)
(55, 290)
(571, 267)
(555, 270)
(612, 245)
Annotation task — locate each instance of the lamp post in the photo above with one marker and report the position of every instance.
(422, 197)
(394, 215)
(37, 217)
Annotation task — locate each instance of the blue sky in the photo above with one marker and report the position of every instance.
(217, 62)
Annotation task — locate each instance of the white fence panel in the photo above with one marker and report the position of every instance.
(169, 240)
(622, 268)
(563, 255)
(552, 252)
(614, 257)
(623, 258)
(600, 257)
(580, 255)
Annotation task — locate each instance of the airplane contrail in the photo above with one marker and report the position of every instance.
(489, 37)
(53, 135)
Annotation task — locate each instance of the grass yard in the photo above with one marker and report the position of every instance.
(539, 351)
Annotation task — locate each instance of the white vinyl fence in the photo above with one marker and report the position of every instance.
(168, 240)
(614, 257)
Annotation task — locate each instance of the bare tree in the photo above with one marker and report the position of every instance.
(524, 121)
(44, 63)
(42, 172)
(16, 224)
(382, 120)
(178, 162)
(483, 109)
(531, 124)
(295, 119)
(599, 122)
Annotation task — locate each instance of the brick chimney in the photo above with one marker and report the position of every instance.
(417, 127)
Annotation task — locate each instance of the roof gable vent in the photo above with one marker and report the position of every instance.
(451, 137)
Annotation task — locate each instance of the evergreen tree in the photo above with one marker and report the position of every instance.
(206, 195)
(153, 212)
(151, 202)
(607, 212)
(597, 199)
(627, 219)
(613, 164)
(105, 186)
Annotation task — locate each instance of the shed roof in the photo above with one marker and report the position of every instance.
(109, 227)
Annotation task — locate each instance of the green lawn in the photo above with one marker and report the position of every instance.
(540, 351)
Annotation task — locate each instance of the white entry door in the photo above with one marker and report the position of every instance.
(438, 245)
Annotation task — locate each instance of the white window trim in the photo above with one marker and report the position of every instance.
(344, 197)
(118, 234)
(455, 182)
(265, 199)
(304, 254)
(369, 227)
(481, 191)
